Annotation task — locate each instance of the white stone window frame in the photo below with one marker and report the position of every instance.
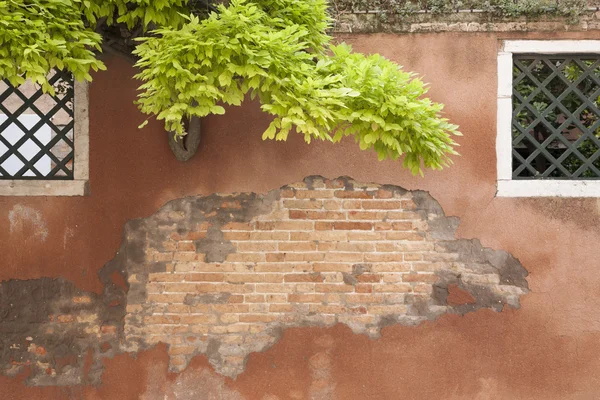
(79, 185)
(508, 187)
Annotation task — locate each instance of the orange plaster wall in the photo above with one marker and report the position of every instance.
(548, 349)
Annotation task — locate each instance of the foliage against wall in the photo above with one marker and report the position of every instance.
(275, 50)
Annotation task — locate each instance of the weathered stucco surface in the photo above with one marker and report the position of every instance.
(547, 349)
(224, 275)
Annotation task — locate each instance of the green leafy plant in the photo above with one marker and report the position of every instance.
(277, 51)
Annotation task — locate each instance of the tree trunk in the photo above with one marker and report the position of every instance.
(185, 147)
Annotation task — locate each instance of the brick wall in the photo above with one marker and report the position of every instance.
(221, 275)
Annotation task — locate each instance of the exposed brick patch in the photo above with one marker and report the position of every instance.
(222, 275)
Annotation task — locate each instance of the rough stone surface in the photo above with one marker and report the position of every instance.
(223, 275)
(461, 22)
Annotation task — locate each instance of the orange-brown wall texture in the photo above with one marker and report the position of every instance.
(547, 349)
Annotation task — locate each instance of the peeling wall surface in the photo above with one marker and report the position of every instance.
(244, 274)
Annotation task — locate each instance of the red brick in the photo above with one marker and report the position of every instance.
(384, 194)
(332, 287)
(332, 267)
(314, 194)
(365, 298)
(413, 256)
(206, 319)
(344, 257)
(231, 308)
(279, 308)
(236, 235)
(428, 278)
(412, 236)
(363, 288)
(323, 226)
(298, 214)
(254, 298)
(186, 246)
(353, 226)
(165, 277)
(320, 215)
(381, 205)
(327, 309)
(383, 226)
(185, 256)
(355, 246)
(332, 204)
(395, 288)
(204, 277)
(402, 215)
(162, 319)
(365, 236)
(275, 257)
(163, 257)
(257, 318)
(368, 278)
(108, 329)
(351, 204)
(316, 277)
(294, 257)
(237, 226)
(244, 278)
(350, 194)
(176, 350)
(245, 257)
(273, 235)
(303, 204)
(65, 318)
(379, 257)
(284, 225)
(391, 267)
(256, 246)
(297, 246)
(305, 298)
(82, 299)
(365, 215)
(334, 184)
(408, 205)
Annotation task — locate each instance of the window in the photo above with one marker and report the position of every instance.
(44, 138)
(548, 127)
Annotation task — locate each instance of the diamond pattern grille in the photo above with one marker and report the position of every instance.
(556, 116)
(36, 130)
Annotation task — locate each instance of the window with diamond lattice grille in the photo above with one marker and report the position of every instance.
(37, 130)
(556, 116)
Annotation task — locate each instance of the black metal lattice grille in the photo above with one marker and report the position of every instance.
(556, 116)
(36, 130)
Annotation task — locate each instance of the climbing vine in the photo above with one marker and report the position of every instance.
(194, 60)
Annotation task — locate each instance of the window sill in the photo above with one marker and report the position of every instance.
(548, 188)
(44, 188)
